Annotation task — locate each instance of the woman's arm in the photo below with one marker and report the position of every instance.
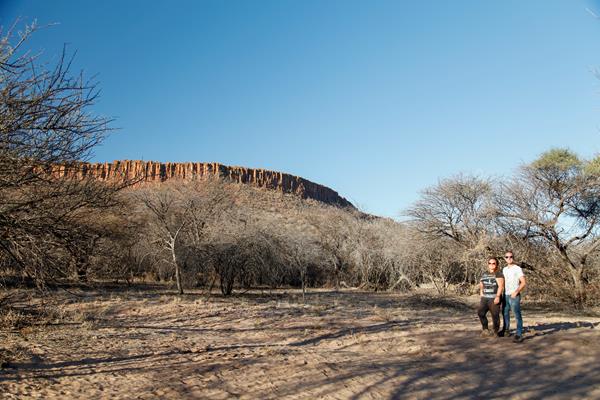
(500, 290)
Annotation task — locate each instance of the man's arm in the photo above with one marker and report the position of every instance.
(522, 284)
(480, 288)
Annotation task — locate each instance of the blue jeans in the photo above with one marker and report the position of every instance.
(515, 306)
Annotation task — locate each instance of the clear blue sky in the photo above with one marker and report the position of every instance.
(375, 99)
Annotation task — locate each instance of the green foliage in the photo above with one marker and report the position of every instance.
(592, 167)
(558, 160)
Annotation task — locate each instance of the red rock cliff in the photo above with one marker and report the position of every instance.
(151, 171)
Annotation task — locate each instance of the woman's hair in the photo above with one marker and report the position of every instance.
(495, 259)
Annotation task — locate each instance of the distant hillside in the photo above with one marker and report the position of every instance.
(152, 171)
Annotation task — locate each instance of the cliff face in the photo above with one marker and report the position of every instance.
(150, 171)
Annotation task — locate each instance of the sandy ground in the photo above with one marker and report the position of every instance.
(347, 345)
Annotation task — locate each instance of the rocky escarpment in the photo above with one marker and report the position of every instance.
(151, 171)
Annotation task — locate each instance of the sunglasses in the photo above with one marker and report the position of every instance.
(492, 263)
(508, 256)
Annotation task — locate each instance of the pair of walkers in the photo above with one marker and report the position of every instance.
(501, 293)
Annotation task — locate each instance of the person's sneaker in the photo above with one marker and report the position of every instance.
(518, 339)
(500, 333)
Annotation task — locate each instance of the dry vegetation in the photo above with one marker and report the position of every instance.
(71, 239)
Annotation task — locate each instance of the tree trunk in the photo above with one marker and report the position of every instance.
(82, 270)
(576, 271)
(337, 270)
(303, 279)
(227, 281)
(579, 295)
(177, 272)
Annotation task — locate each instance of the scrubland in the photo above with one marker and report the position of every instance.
(380, 307)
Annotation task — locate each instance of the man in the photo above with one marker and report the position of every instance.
(491, 286)
(514, 282)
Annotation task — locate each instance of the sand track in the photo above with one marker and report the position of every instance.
(347, 345)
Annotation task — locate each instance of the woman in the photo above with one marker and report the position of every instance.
(491, 286)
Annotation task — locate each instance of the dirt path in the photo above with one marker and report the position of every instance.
(347, 345)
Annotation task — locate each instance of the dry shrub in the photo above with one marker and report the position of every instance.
(12, 319)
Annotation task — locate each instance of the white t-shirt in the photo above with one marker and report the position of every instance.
(512, 275)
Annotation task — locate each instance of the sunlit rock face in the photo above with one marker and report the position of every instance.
(151, 171)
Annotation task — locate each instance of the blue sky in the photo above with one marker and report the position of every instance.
(375, 99)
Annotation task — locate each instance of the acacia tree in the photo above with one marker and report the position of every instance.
(180, 216)
(300, 251)
(555, 201)
(457, 209)
(168, 218)
(336, 233)
(387, 258)
(298, 243)
(45, 126)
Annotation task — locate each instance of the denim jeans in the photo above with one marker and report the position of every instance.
(515, 306)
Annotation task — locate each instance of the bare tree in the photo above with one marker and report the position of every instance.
(387, 254)
(458, 209)
(555, 201)
(299, 243)
(45, 126)
(336, 233)
(169, 211)
(181, 215)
